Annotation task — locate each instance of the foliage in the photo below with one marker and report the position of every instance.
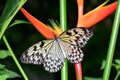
(4, 72)
(116, 64)
(10, 10)
(4, 54)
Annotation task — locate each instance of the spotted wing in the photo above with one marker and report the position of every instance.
(53, 52)
(54, 61)
(36, 53)
(77, 36)
(73, 40)
(47, 52)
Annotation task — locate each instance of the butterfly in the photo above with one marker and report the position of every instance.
(53, 52)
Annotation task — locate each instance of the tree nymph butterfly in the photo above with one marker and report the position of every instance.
(52, 53)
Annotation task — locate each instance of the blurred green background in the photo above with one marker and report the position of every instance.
(23, 36)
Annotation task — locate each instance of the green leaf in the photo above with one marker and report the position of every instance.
(4, 77)
(2, 66)
(10, 10)
(4, 54)
(91, 78)
(116, 64)
(10, 6)
(19, 22)
(117, 61)
(10, 73)
(102, 65)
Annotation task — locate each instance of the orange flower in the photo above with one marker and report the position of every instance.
(87, 20)
(45, 30)
(92, 17)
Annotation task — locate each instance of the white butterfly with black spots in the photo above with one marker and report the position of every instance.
(52, 53)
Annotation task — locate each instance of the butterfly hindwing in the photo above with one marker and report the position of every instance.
(76, 55)
(52, 64)
(54, 61)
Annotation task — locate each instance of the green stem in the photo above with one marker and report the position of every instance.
(63, 23)
(112, 44)
(14, 58)
(6, 23)
(63, 20)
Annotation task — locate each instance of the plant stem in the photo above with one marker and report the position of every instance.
(63, 23)
(78, 70)
(112, 44)
(63, 20)
(14, 58)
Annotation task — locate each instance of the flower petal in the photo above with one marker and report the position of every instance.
(96, 15)
(45, 30)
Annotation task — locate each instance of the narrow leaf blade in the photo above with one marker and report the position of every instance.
(4, 54)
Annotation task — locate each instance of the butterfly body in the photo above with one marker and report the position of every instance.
(52, 53)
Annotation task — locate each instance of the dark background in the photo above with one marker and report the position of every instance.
(23, 36)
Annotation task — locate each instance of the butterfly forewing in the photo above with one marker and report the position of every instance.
(76, 39)
(52, 53)
(77, 36)
(37, 52)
